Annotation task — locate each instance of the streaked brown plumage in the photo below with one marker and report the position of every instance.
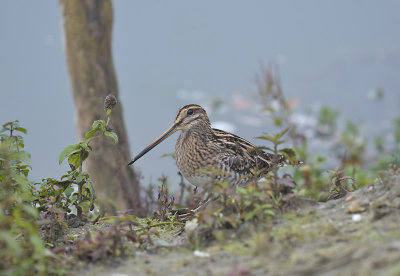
(199, 147)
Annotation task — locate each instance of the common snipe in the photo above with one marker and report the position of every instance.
(200, 147)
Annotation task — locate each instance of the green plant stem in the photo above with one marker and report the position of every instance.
(80, 185)
(79, 208)
(275, 168)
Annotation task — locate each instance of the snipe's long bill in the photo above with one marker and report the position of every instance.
(164, 136)
(200, 147)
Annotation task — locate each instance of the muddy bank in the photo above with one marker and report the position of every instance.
(355, 235)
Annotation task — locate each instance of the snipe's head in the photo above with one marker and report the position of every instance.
(187, 117)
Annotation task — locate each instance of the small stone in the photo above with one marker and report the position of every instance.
(350, 198)
(378, 204)
(201, 254)
(356, 206)
(356, 218)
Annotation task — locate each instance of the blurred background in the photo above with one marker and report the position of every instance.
(342, 54)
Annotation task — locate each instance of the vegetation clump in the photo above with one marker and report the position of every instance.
(34, 217)
(23, 249)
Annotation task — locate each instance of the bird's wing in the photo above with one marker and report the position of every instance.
(239, 155)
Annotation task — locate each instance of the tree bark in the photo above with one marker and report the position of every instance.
(87, 28)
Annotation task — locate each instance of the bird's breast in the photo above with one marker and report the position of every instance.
(192, 154)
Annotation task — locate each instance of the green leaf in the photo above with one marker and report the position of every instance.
(265, 208)
(68, 151)
(80, 177)
(289, 154)
(99, 124)
(7, 124)
(76, 159)
(250, 215)
(22, 156)
(11, 243)
(269, 212)
(38, 244)
(108, 113)
(91, 132)
(68, 191)
(21, 129)
(84, 205)
(84, 146)
(33, 212)
(280, 134)
(172, 154)
(277, 122)
(264, 137)
(113, 135)
(270, 109)
(280, 142)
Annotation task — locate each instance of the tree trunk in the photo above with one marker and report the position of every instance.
(87, 29)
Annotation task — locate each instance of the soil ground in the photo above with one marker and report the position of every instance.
(358, 234)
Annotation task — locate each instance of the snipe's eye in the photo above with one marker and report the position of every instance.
(190, 112)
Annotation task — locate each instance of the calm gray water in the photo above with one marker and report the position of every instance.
(171, 53)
